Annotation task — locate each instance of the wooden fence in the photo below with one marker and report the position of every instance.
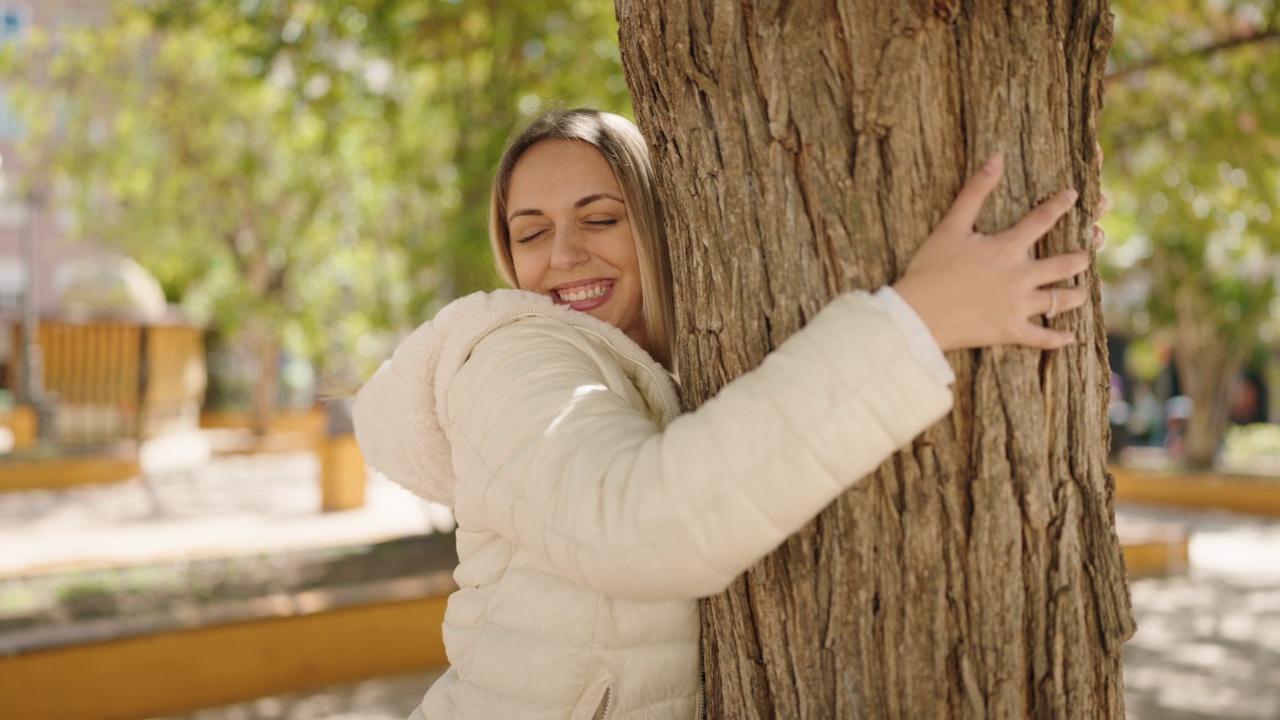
(117, 379)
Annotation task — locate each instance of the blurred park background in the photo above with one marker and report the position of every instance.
(210, 207)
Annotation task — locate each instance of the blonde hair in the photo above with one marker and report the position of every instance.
(623, 147)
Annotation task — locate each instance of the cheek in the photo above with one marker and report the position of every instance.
(524, 270)
(633, 260)
(622, 251)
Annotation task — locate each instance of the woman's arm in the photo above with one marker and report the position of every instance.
(573, 473)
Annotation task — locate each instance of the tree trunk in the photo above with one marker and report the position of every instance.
(266, 386)
(1208, 361)
(807, 148)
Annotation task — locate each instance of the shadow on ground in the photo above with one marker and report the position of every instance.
(1208, 642)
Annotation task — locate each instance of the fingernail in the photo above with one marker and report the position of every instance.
(1072, 195)
(992, 165)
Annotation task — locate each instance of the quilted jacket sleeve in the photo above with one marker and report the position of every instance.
(572, 472)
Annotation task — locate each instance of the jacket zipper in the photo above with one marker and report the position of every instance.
(608, 702)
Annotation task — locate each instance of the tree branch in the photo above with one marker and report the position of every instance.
(1263, 35)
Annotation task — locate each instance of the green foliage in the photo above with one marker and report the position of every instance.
(1192, 130)
(90, 599)
(315, 167)
(1253, 441)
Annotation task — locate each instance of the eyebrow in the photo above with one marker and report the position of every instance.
(580, 204)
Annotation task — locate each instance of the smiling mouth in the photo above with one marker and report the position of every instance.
(583, 293)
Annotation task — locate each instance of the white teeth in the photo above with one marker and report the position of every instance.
(590, 293)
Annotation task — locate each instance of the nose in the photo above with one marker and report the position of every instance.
(569, 250)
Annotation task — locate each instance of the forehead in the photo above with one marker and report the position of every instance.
(559, 171)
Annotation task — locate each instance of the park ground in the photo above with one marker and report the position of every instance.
(1208, 641)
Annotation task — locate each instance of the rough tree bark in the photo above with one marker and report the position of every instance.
(807, 148)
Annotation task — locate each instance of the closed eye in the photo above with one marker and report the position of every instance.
(602, 223)
(531, 236)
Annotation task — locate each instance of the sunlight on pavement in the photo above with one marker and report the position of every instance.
(1208, 642)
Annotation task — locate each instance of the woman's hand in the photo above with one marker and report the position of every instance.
(974, 290)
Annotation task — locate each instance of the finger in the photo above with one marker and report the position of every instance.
(1053, 302)
(1098, 146)
(1104, 202)
(1047, 271)
(1072, 298)
(1099, 236)
(1044, 338)
(964, 212)
(1036, 223)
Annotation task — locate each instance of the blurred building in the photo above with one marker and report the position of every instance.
(22, 215)
(116, 360)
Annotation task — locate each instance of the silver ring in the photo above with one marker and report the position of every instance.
(1053, 304)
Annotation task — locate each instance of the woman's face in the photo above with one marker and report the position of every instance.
(571, 236)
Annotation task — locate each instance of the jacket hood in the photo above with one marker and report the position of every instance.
(399, 412)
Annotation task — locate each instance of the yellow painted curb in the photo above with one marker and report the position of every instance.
(58, 473)
(21, 421)
(314, 420)
(289, 431)
(180, 672)
(1152, 559)
(1152, 547)
(1198, 490)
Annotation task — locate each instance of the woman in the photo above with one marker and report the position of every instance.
(591, 514)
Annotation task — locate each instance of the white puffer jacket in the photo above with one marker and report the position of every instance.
(591, 515)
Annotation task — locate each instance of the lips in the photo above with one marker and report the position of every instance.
(583, 295)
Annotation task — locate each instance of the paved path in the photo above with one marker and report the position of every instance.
(1208, 642)
(227, 506)
(388, 698)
